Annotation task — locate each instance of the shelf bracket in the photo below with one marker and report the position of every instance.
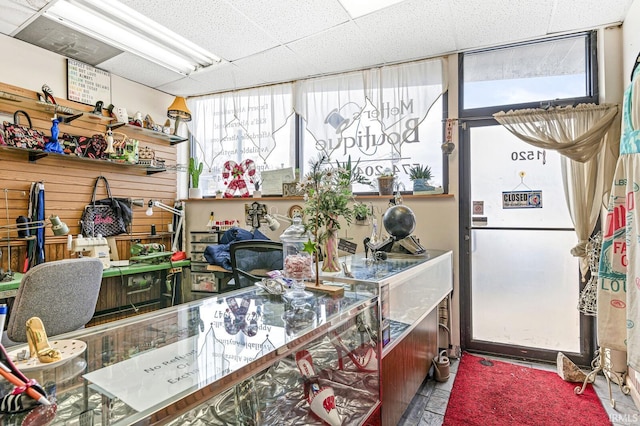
(115, 125)
(35, 156)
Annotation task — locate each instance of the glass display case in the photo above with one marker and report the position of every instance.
(410, 287)
(249, 357)
(244, 357)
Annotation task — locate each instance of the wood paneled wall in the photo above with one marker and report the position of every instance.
(68, 181)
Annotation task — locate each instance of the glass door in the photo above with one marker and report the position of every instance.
(520, 284)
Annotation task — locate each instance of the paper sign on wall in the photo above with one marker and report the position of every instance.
(87, 84)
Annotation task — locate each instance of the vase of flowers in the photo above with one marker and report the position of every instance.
(328, 199)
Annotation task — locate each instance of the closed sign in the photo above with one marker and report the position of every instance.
(521, 199)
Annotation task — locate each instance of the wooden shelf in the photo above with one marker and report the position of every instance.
(171, 139)
(358, 197)
(35, 155)
(39, 105)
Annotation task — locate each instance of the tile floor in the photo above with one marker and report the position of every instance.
(430, 403)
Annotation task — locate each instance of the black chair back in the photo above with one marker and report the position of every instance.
(252, 259)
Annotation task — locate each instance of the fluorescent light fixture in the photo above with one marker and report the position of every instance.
(122, 27)
(357, 8)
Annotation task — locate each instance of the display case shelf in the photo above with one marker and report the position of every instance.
(130, 129)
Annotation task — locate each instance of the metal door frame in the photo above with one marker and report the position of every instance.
(587, 323)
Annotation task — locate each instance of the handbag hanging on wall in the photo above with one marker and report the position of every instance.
(108, 216)
(22, 136)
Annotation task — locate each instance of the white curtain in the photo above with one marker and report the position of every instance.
(370, 109)
(239, 125)
(588, 137)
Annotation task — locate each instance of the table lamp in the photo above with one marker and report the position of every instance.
(178, 110)
(177, 212)
(23, 227)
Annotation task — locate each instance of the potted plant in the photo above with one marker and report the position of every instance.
(386, 181)
(420, 175)
(256, 192)
(195, 170)
(327, 201)
(361, 213)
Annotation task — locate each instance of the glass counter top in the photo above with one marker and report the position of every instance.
(139, 367)
(380, 271)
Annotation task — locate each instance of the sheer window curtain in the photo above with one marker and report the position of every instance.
(337, 108)
(588, 137)
(239, 125)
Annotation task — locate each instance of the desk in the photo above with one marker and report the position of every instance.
(138, 268)
(106, 300)
(120, 295)
(10, 288)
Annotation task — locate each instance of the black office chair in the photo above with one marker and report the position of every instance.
(252, 259)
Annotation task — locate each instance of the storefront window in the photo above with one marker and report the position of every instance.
(384, 120)
(533, 72)
(251, 128)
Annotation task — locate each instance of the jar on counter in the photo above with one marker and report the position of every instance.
(297, 264)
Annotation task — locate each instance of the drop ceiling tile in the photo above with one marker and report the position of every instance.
(212, 24)
(289, 20)
(15, 13)
(341, 48)
(412, 29)
(137, 69)
(493, 22)
(581, 14)
(215, 79)
(277, 65)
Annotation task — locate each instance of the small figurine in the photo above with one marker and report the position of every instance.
(54, 145)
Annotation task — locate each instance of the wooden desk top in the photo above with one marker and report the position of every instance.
(136, 268)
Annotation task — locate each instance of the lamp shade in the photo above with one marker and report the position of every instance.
(178, 109)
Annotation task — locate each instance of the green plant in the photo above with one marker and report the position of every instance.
(348, 173)
(361, 211)
(419, 171)
(195, 170)
(327, 196)
(327, 200)
(387, 173)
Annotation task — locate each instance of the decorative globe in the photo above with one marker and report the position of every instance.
(399, 221)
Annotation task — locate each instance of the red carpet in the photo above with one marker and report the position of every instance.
(508, 394)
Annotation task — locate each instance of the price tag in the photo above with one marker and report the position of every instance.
(347, 246)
